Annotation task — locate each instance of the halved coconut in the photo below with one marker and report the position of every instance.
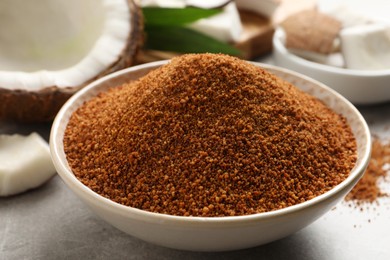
(49, 49)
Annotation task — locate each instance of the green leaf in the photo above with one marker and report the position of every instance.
(175, 16)
(184, 40)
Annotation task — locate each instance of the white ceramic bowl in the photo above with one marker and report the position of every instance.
(210, 233)
(358, 86)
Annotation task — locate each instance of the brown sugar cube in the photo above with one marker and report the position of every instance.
(312, 31)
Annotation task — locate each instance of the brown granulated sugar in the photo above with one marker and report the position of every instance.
(208, 135)
(367, 190)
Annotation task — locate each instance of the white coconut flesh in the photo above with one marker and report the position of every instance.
(46, 43)
(25, 163)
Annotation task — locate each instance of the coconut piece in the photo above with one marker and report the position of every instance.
(346, 15)
(186, 3)
(25, 163)
(60, 59)
(312, 31)
(366, 47)
(264, 8)
(208, 4)
(164, 3)
(225, 26)
(334, 59)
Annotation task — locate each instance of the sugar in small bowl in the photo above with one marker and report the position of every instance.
(202, 167)
(361, 87)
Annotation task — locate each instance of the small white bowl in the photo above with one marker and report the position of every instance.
(361, 87)
(210, 233)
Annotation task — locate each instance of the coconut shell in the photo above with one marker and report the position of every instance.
(43, 105)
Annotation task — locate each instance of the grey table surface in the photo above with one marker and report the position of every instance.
(50, 222)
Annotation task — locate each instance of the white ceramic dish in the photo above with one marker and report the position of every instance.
(358, 86)
(218, 233)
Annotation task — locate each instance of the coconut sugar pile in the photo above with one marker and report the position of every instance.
(208, 135)
(367, 190)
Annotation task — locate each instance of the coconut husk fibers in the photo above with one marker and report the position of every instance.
(43, 105)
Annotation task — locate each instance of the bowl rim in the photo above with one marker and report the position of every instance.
(143, 215)
(279, 46)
